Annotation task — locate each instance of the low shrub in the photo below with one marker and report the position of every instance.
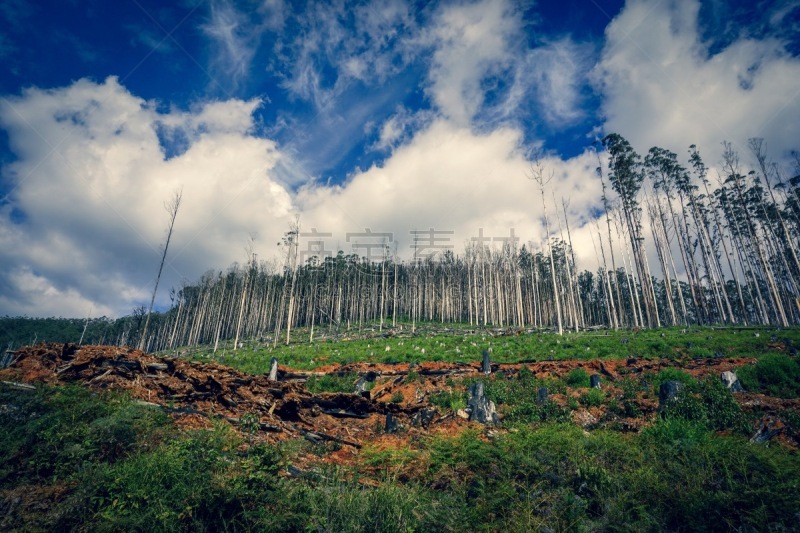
(577, 378)
(592, 398)
(776, 374)
(330, 383)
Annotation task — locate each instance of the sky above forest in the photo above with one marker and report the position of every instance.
(373, 122)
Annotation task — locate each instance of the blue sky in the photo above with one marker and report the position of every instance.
(392, 116)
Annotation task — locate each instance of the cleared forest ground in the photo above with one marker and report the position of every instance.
(315, 403)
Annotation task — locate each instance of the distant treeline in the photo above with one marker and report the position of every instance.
(722, 252)
(21, 331)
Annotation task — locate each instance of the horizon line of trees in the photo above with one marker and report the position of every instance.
(725, 250)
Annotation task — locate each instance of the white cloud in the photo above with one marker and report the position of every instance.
(235, 41)
(557, 72)
(451, 179)
(91, 180)
(401, 126)
(471, 41)
(662, 87)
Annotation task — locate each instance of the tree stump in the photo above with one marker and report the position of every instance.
(594, 381)
(480, 408)
(391, 425)
(486, 367)
(273, 369)
(668, 391)
(541, 395)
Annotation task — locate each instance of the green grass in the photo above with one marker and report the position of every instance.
(463, 344)
(122, 466)
(330, 383)
(775, 374)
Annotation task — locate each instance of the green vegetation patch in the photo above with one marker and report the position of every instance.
(775, 374)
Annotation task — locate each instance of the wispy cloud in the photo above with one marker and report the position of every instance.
(234, 40)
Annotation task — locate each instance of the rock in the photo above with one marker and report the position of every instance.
(594, 381)
(363, 381)
(486, 367)
(732, 382)
(668, 391)
(273, 369)
(462, 414)
(767, 429)
(624, 340)
(541, 395)
(423, 418)
(480, 408)
(584, 418)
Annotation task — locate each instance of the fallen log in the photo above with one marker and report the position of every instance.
(19, 386)
(317, 436)
(342, 413)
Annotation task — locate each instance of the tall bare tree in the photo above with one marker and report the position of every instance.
(172, 207)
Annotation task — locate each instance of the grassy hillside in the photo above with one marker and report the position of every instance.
(73, 459)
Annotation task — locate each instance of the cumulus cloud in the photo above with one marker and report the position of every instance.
(451, 179)
(662, 86)
(84, 219)
(92, 176)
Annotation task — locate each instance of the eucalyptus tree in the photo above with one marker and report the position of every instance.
(626, 177)
(171, 207)
(537, 174)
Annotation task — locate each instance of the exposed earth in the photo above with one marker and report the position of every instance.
(194, 393)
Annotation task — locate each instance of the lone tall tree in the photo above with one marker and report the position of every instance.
(172, 208)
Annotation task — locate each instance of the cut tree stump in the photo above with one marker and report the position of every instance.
(480, 408)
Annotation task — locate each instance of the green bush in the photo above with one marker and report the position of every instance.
(592, 398)
(776, 374)
(449, 400)
(51, 433)
(532, 412)
(713, 406)
(577, 378)
(331, 383)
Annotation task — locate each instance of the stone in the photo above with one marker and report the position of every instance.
(461, 413)
(767, 429)
(423, 418)
(273, 369)
(594, 381)
(668, 391)
(480, 408)
(364, 381)
(731, 382)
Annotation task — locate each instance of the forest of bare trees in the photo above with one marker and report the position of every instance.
(723, 250)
